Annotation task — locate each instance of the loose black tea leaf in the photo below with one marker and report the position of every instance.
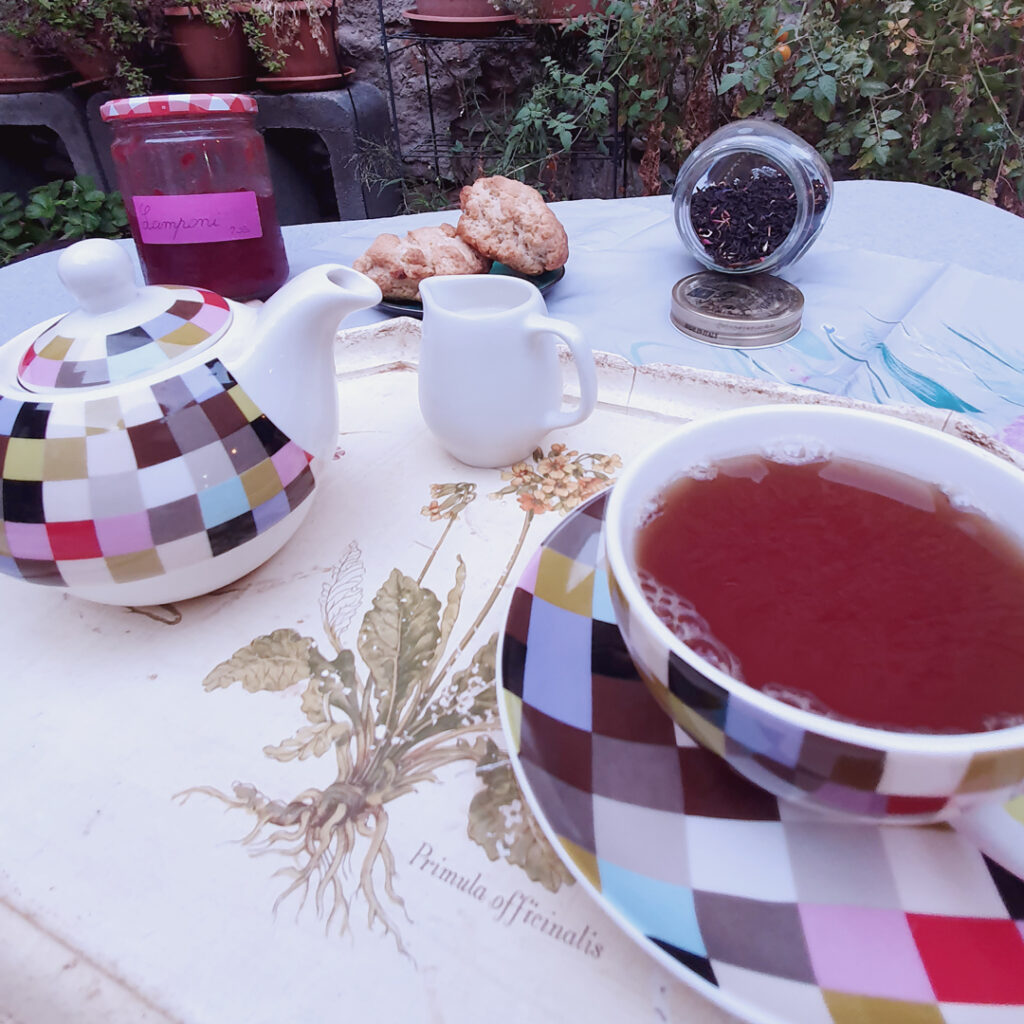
(742, 222)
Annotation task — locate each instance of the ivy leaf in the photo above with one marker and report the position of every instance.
(269, 663)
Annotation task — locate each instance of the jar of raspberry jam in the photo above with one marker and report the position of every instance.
(193, 172)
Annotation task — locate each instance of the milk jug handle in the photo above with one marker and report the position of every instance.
(541, 329)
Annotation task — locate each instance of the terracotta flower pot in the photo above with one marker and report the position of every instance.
(311, 59)
(26, 69)
(208, 58)
(92, 60)
(456, 8)
(92, 67)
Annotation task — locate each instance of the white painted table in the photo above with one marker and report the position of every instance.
(122, 901)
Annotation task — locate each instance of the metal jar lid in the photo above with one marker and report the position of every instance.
(736, 312)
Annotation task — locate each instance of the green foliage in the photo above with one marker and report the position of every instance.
(253, 19)
(921, 90)
(13, 240)
(113, 28)
(118, 28)
(59, 211)
(641, 64)
(562, 110)
(267, 24)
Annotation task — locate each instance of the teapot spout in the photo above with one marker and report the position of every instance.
(288, 366)
(307, 310)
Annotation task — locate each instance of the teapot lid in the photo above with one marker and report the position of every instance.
(120, 330)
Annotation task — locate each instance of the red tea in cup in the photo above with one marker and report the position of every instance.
(856, 592)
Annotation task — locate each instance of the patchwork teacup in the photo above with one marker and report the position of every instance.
(830, 764)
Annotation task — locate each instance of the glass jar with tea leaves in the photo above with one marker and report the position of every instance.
(751, 198)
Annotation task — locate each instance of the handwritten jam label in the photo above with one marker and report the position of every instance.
(185, 220)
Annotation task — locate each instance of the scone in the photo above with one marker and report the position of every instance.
(510, 222)
(398, 265)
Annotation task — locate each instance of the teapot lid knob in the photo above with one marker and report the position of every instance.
(120, 330)
(99, 274)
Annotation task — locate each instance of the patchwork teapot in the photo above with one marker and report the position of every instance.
(160, 442)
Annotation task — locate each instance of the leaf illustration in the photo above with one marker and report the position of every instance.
(334, 681)
(468, 699)
(342, 594)
(272, 662)
(501, 822)
(399, 635)
(310, 741)
(481, 672)
(451, 610)
(313, 701)
(343, 692)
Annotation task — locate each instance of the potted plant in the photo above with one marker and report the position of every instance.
(297, 43)
(102, 39)
(459, 8)
(551, 10)
(25, 64)
(468, 19)
(220, 44)
(209, 49)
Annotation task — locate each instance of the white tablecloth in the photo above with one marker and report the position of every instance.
(911, 294)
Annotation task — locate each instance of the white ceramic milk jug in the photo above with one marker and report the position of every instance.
(490, 380)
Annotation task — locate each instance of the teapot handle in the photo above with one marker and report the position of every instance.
(583, 357)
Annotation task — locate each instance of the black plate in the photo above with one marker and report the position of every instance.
(414, 308)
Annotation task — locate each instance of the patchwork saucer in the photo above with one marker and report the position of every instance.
(776, 915)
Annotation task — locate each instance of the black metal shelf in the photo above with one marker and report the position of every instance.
(419, 38)
(438, 143)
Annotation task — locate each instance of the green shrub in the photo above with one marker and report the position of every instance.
(59, 211)
(918, 90)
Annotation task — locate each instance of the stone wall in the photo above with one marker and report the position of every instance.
(472, 84)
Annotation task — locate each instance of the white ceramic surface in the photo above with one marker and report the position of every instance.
(490, 383)
(927, 768)
(160, 442)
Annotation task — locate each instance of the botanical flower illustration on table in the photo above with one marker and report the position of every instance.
(388, 715)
